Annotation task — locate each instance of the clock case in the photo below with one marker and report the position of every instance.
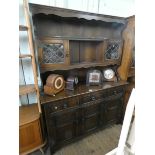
(71, 83)
(90, 80)
(101, 78)
(116, 76)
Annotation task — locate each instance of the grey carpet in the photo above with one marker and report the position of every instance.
(98, 143)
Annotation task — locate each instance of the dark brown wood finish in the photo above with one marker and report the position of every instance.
(82, 90)
(91, 41)
(36, 9)
(74, 114)
(73, 28)
(85, 36)
(78, 54)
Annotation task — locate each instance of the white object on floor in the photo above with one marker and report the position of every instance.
(122, 148)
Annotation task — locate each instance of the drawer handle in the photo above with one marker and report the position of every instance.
(55, 107)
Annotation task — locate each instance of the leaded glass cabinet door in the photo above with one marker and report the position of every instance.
(54, 54)
(112, 51)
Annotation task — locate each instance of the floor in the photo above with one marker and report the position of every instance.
(98, 143)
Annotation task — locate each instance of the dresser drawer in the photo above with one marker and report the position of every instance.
(113, 91)
(60, 105)
(85, 98)
(91, 97)
(97, 95)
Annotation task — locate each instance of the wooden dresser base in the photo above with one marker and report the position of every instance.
(70, 116)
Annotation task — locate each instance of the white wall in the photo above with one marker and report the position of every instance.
(122, 8)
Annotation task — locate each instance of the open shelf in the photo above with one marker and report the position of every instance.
(25, 56)
(25, 89)
(23, 28)
(85, 51)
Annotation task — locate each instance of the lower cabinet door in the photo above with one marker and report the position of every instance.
(62, 126)
(91, 116)
(113, 108)
(91, 122)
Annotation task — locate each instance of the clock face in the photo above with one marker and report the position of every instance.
(109, 74)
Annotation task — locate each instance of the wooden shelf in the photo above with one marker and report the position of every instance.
(28, 114)
(23, 28)
(25, 56)
(25, 89)
(45, 67)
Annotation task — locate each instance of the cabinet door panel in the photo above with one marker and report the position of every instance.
(53, 53)
(91, 116)
(113, 51)
(91, 123)
(91, 109)
(62, 126)
(65, 132)
(112, 110)
(64, 117)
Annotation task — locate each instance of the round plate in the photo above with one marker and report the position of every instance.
(109, 74)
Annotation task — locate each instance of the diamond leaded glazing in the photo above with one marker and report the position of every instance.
(112, 51)
(53, 53)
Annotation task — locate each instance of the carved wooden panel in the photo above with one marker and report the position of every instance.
(113, 109)
(84, 113)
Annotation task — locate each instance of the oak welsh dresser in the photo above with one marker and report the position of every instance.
(70, 43)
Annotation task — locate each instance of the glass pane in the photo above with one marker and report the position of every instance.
(53, 54)
(112, 51)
